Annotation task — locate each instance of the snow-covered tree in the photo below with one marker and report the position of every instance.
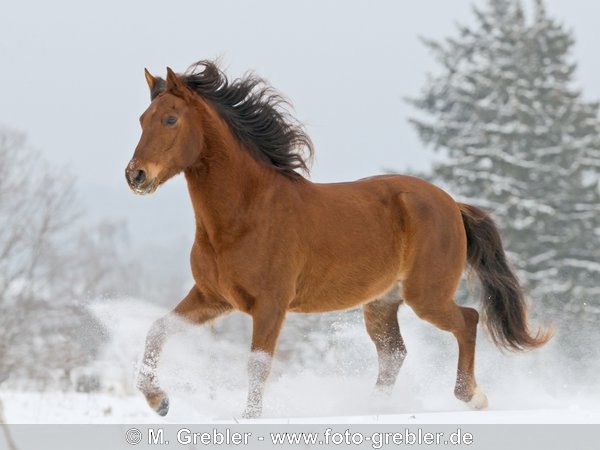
(520, 141)
(49, 265)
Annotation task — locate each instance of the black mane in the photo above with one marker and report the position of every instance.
(256, 114)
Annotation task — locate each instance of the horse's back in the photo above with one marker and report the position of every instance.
(416, 205)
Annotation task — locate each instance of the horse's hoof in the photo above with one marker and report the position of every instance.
(252, 412)
(382, 391)
(479, 399)
(163, 407)
(159, 402)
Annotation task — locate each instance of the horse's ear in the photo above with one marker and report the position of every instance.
(173, 82)
(150, 79)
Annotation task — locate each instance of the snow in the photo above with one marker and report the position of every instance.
(205, 376)
(61, 408)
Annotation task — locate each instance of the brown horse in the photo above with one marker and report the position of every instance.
(269, 241)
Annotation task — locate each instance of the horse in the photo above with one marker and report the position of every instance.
(268, 241)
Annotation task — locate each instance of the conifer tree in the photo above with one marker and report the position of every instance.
(520, 141)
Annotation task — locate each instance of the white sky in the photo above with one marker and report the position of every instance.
(72, 79)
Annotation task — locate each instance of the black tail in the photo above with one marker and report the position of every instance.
(504, 307)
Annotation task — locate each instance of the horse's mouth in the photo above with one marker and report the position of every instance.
(150, 188)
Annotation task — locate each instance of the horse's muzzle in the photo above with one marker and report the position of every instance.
(138, 180)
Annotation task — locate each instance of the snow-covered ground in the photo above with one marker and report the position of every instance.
(102, 408)
(206, 380)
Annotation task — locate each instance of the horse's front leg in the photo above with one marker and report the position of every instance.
(266, 325)
(195, 307)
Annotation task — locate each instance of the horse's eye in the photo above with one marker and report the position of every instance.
(170, 120)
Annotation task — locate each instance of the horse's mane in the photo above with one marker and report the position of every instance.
(257, 115)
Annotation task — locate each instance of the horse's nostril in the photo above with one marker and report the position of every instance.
(138, 177)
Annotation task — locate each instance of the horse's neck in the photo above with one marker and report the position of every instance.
(225, 185)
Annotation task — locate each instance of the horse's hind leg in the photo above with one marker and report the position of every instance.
(466, 388)
(196, 308)
(381, 319)
(434, 303)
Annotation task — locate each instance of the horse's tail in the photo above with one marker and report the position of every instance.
(504, 307)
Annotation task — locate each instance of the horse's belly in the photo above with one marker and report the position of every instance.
(331, 296)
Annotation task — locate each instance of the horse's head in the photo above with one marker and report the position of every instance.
(170, 141)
